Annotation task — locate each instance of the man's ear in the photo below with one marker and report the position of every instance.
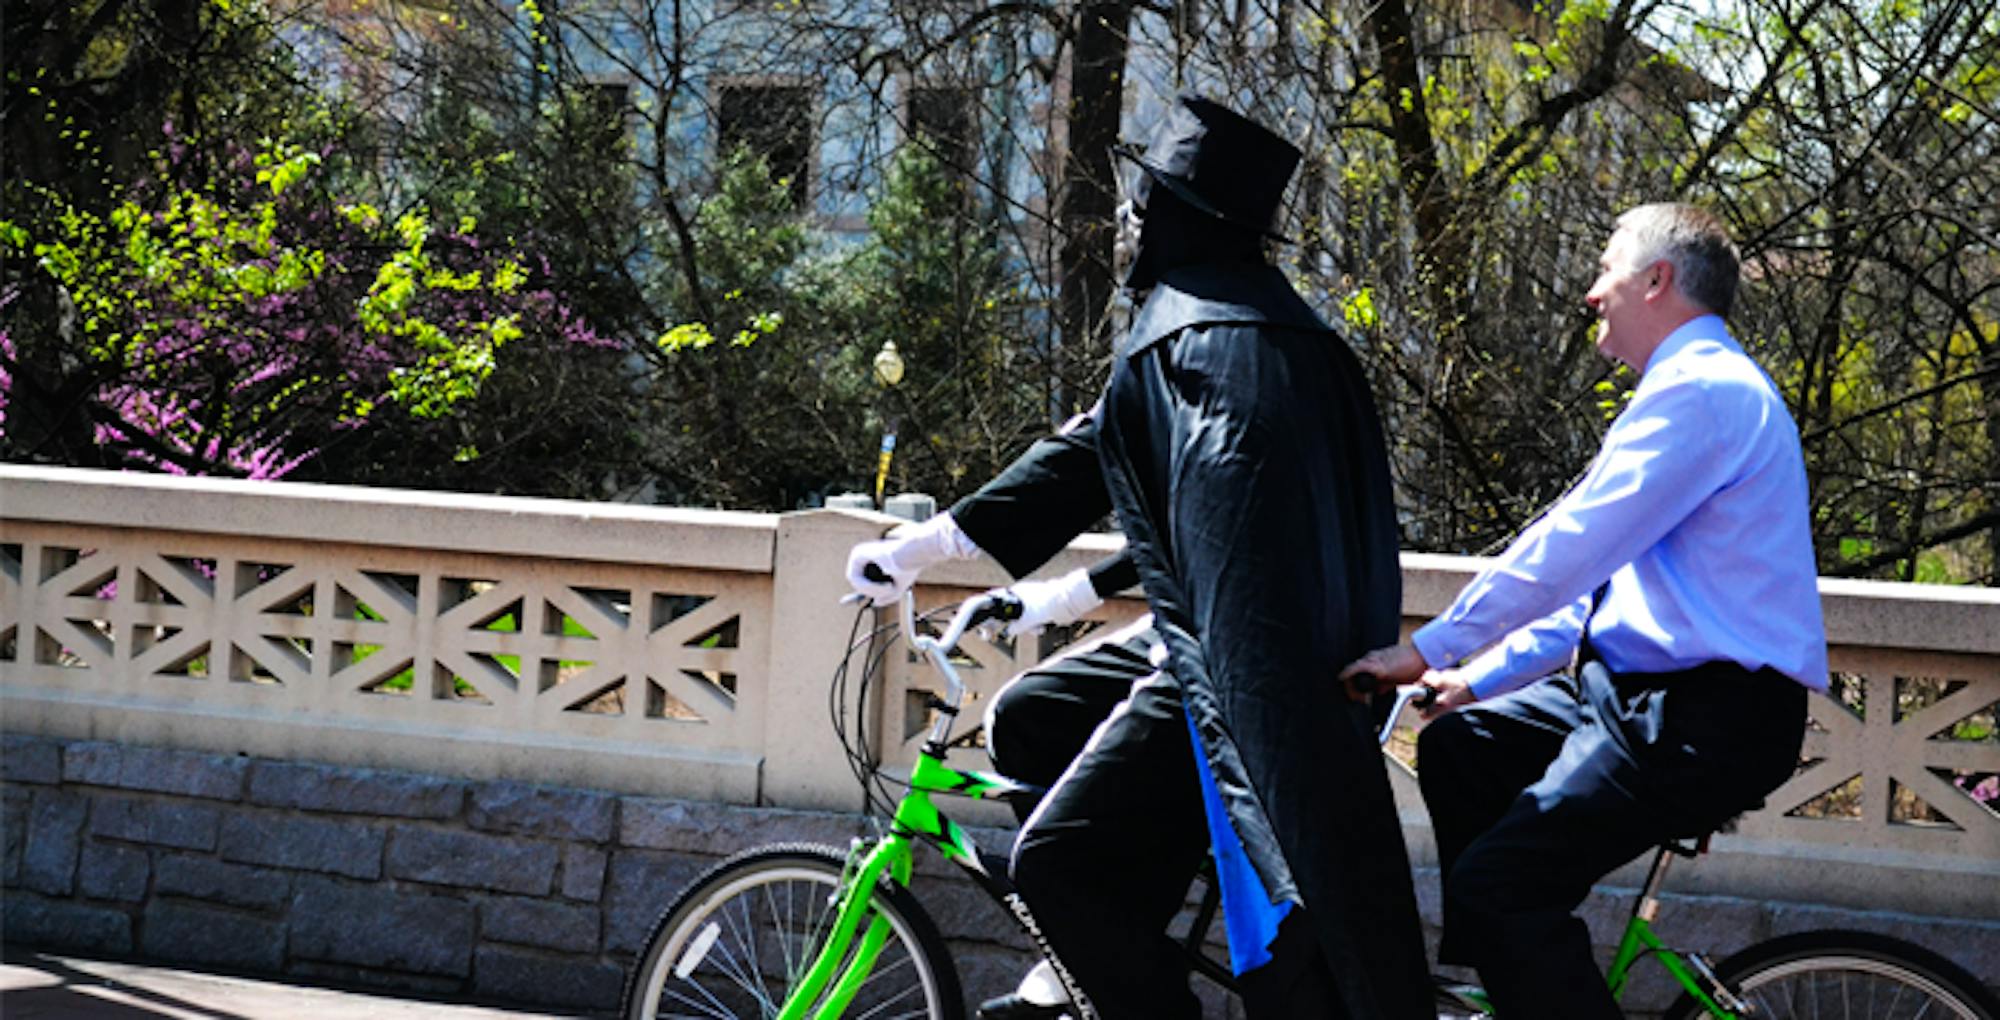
(1659, 279)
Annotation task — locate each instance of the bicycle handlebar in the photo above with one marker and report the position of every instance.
(1406, 695)
(1001, 605)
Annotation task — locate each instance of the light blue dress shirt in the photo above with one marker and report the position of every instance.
(1695, 509)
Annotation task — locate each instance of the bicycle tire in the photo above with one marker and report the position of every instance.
(1848, 975)
(784, 896)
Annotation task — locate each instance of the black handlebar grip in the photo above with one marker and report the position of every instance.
(1007, 608)
(874, 573)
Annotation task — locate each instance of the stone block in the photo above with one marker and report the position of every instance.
(640, 887)
(427, 985)
(192, 933)
(236, 885)
(373, 926)
(558, 812)
(655, 823)
(346, 848)
(539, 979)
(963, 911)
(543, 923)
(30, 759)
(54, 839)
(66, 924)
(14, 802)
(315, 787)
(473, 860)
(583, 873)
(112, 872)
(1715, 925)
(92, 762)
(985, 971)
(155, 770)
(179, 824)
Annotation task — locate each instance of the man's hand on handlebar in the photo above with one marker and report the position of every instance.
(882, 570)
(1402, 664)
(1058, 600)
(1448, 692)
(1388, 667)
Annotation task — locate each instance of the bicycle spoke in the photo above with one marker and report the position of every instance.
(750, 957)
(784, 928)
(732, 966)
(908, 991)
(719, 1011)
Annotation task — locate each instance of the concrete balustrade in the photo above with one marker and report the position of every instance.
(336, 701)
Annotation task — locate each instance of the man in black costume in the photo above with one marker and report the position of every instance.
(1238, 443)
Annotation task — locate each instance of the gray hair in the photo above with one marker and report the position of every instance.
(1706, 263)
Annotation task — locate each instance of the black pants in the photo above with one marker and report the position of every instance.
(1039, 721)
(1105, 859)
(1536, 794)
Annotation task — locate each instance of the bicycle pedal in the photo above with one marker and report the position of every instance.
(1454, 997)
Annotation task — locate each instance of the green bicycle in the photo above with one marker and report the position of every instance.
(791, 931)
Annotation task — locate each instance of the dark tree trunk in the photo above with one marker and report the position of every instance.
(1089, 193)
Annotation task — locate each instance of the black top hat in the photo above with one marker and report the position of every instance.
(1220, 162)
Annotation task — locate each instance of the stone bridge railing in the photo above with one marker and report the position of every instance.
(685, 654)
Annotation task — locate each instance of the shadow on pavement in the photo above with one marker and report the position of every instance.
(72, 993)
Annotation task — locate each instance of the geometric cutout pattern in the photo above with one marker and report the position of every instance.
(1906, 757)
(538, 645)
(899, 708)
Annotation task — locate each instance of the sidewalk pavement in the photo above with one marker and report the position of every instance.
(41, 986)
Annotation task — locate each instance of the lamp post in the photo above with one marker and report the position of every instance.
(888, 372)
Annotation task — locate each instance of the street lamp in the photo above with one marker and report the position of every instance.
(888, 372)
(888, 364)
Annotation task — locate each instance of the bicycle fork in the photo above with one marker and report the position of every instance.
(891, 856)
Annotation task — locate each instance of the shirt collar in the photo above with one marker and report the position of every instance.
(1701, 327)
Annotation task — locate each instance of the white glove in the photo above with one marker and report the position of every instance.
(904, 554)
(1056, 601)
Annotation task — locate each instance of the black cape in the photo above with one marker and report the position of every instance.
(1242, 452)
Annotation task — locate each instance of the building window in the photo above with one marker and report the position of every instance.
(607, 105)
(775, 122)
(940, 119)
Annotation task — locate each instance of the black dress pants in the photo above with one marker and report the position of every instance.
(1536, 794)
(1040, 720)
(1105, 859)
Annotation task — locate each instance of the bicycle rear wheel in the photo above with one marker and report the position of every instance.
(1848, 975)
(738, 940)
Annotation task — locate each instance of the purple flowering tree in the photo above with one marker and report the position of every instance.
(245, 325)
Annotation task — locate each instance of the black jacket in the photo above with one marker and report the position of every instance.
(1046, 497)
(1240, 447)
(1246, 463)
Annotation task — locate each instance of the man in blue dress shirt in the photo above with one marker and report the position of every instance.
(1679, 575)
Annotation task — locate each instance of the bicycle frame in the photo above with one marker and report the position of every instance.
(1691, 972)
(916, 818)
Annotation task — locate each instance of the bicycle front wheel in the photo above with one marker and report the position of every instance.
(1848, 975)
(741, 938)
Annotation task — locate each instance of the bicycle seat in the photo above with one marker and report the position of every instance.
(1695, 843)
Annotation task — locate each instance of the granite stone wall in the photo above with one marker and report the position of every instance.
(496, 892)
(517, 894)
